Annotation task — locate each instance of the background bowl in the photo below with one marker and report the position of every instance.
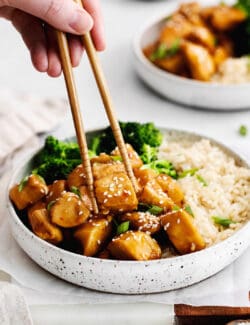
(129, 277)
(186, 91)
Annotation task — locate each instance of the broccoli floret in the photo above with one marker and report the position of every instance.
(148, 153)
(56, 168)
(137, 134)
(162, 167)
(57, 159)
(57, 149)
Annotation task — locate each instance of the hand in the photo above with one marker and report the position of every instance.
(29, 16)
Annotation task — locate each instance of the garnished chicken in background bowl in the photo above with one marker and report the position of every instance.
(204, 43)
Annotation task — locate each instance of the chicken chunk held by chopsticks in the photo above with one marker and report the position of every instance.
(114, 192)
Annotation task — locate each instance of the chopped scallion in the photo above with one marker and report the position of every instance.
(23, 183)
(155, 209)
(225, 222)
(201, 180)
(76, 191)
(189, 210)
(243, 130)
(123, 227)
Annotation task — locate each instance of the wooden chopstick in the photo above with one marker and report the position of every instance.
(76, 113)
(107, 101)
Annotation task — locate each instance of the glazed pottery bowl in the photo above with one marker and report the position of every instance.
(129, 277)
(186, 91)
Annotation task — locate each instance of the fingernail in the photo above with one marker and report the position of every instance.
(81, 22)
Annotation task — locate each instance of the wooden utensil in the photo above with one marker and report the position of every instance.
(76, 113)
(107, 102)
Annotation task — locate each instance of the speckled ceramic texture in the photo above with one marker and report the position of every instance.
(183, 90)
(130, 277)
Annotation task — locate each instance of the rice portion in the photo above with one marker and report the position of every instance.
(226, 192)
(233, 71)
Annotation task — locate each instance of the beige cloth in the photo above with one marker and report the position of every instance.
(22, 118)
(13, 307)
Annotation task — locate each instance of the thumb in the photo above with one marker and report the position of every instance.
(65, 15)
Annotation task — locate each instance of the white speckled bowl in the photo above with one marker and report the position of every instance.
(129, 277)
(183, 90)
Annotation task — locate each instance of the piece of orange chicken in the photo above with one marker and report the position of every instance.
(114, 192)
(182, 232)
(28, 191)
(56, 190)
(69, 211)
(134, 245)
(77, 177)
(41, 225)
(93, 234)
(171, 188)
(152, 193)
(199, 60)
(224, 18)
(133, 156)
(142, 221)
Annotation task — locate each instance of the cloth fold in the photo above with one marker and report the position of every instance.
(22, 118)
(13, 307)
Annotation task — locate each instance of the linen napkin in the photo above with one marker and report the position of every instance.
(22, 118)
(13, 307)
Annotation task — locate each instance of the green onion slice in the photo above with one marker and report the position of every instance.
(123, 227)
(23, 183)
(76, 191)
(225, 222)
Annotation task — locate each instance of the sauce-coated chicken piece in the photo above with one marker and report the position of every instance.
(203, 36)
(223, 18)
(69, 211)
(133, 156)
(199, 60)
(176, 27)
(93, 234)
(114, 192)
(171, 188)
(28, 192)
(85, 196)
(77, 177)
(153, 194)
(182, 232)
(142, 221)
(103, 169)
(41, 225)
(134, 245)
(191, 11)
(56, 190)
(174, 64)
(143, 176)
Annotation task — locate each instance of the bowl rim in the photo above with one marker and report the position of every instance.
(41, 242)
(152, 68)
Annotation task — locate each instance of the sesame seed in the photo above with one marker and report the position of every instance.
(98, 242)
(80, 213)
(166, 226)
(81, 175)
(193, 246)
(105, 201)
(178, 220)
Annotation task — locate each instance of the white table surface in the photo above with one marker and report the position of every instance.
(133, 101)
